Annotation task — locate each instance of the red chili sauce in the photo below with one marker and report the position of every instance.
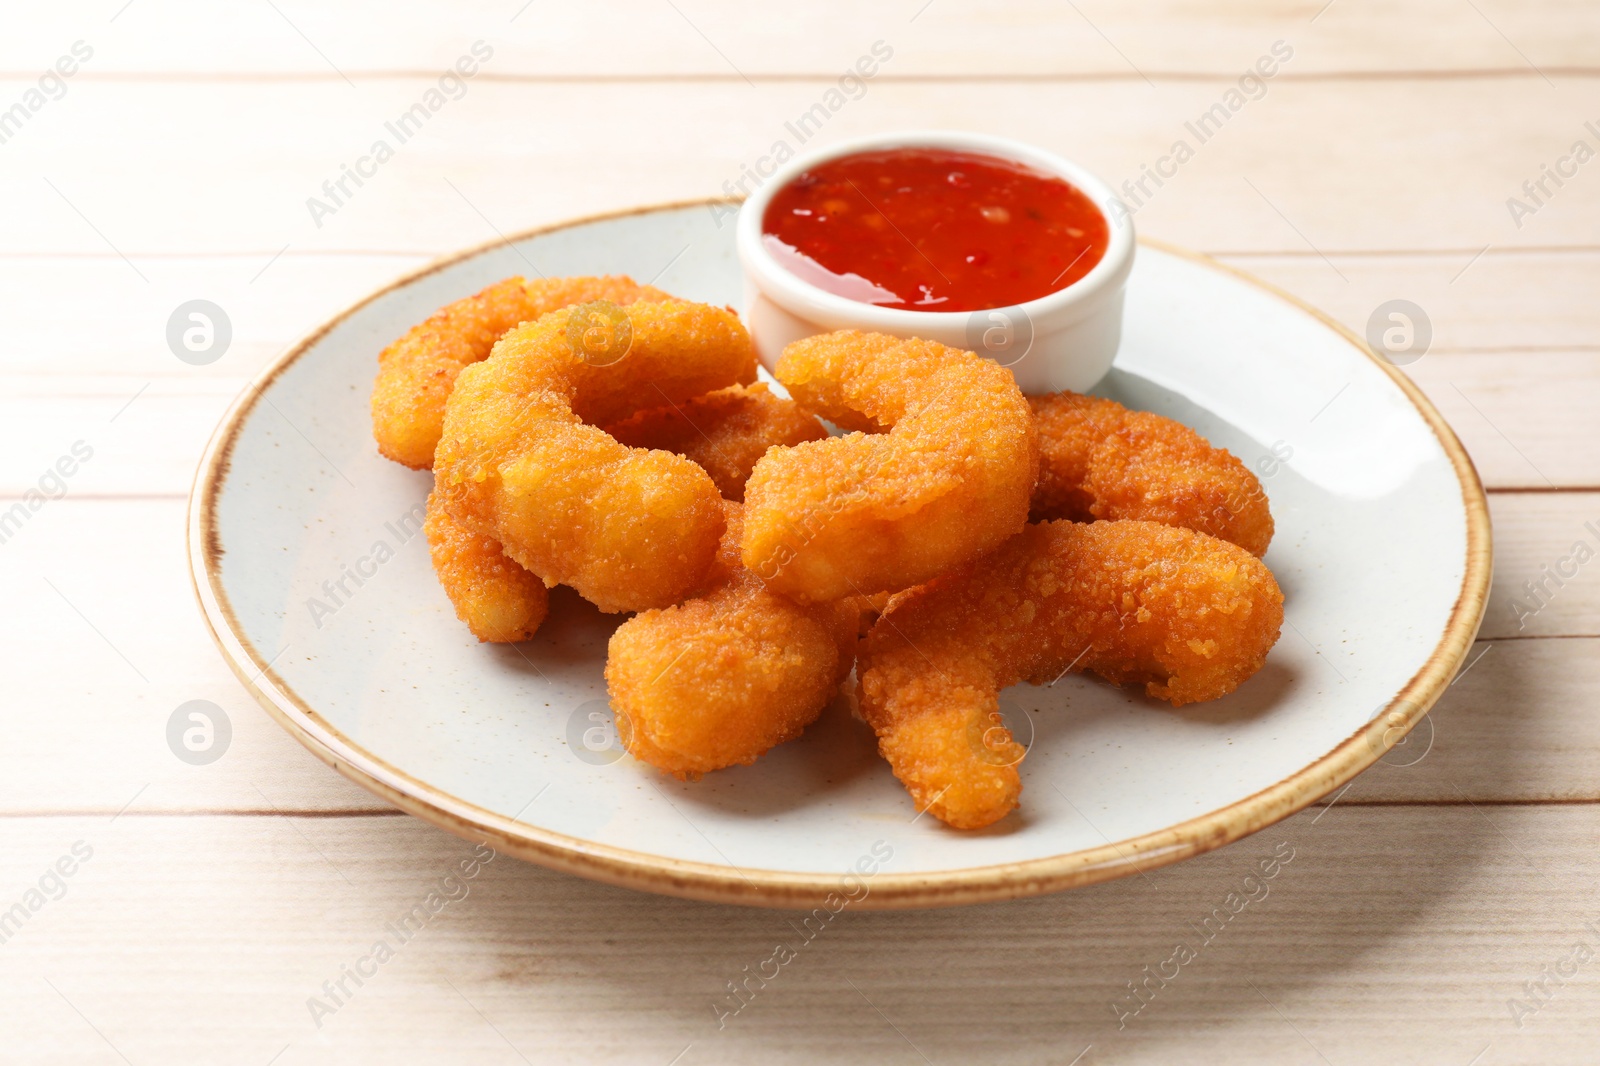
(925, 229)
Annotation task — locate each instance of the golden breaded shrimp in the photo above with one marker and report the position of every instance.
(722, 678)
(497, 599)
(522, 459)
(1099, 460)
(1186, 615)
(872, 511)
(725, 432)
(417, 372)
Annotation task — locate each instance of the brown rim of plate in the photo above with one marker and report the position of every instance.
(776, 888)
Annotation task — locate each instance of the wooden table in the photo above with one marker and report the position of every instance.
(176, 163)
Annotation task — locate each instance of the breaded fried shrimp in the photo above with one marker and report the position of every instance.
(522, 460)
(1187, 616)
(417, 372)
(497, 599)
(877, 511)
(726, 432)
(720, 679)
(1099, 460)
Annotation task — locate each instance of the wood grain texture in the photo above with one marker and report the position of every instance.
(1505, 300)
(721, 39)
(112, 645)
(1537, 538)
(1391, 934)
(1377, 165)
(1519, 414)
(1279, 176)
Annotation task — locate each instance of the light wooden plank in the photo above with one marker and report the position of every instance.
(1504, 300)
(1399, 932)
(1292, 172)
(1521, 415)
(1545, 584)
(1519, 725)
(270, 303)
(145, 434)
(202, 939)
(720, 38)
(113, 644)
(109, 646)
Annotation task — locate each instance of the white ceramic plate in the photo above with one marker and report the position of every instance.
(1382, 551)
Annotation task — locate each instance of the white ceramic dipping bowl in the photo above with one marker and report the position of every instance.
(1064, 340)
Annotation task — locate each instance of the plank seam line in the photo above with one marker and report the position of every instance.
(103, 497)
(1513, 73)
(221, 812)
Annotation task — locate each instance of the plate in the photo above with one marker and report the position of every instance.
(310, 567)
